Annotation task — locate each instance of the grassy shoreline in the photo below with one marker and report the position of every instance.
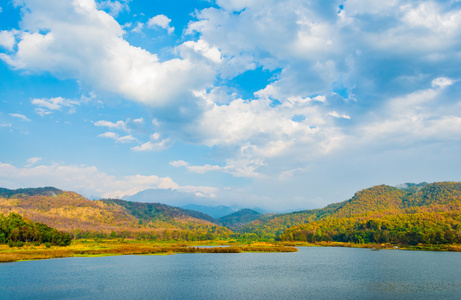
(420, 247)
(98, 248)
(113, 248)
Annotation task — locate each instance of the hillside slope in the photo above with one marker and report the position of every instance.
(372, 200)
(71, 212)
(239, 218)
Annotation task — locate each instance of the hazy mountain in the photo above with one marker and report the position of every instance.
(165, 196)
(214, 211)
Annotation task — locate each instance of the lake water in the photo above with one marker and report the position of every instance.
(311, 273)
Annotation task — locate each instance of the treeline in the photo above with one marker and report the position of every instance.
(200, 233)
(16, 230)
(436, 224)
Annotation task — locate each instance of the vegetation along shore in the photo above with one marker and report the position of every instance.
(39, 223)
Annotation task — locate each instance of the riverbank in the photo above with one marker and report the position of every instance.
(421, 247)
(90, 248)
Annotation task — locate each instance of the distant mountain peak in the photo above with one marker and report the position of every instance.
(41, 191)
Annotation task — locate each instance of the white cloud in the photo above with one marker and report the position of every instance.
(412, 119)
(385, 63)
(5, 125)
(21, 117)
(95, 53)
(47, 105)
(117, 138)
(179, 163)
(336, 115)
(160, 21)
(121, 125)
(114, 7)
(32, 161)
(8, 39)
(155, 144)
(200, 48)
(237, 167)
(89, 180)
(138, 28)
(442, 82)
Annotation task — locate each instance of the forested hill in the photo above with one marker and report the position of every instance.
(239, 218)
(370, 200)
(428, 215)
(43, 191)
(73, 213)
(148, 211)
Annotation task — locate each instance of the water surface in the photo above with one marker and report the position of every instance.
(314, 273)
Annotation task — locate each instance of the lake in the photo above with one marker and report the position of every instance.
(311, 273)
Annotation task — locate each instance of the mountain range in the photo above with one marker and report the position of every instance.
(72, 213)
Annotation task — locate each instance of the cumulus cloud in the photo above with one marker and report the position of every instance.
(7, 39)
(161, 21)
(366, 75)
(95, 53)
(88, 180)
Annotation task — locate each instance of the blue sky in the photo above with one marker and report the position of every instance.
(282, 105)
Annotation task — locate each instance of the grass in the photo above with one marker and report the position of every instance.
(422, 247)
(95, 248)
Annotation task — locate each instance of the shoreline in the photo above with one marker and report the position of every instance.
(110, 248)
(96, 248)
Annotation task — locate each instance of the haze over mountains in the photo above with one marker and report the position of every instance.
(186, 201)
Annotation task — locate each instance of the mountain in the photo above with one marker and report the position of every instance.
(72, 213)
(239, 218)
(380, 198)
(151, 211)
(407, 214)
(214, 211)
(429, 214)
(43, 191)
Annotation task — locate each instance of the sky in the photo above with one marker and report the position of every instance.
(281, 105)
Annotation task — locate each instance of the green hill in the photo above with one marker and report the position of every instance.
(239, 218)
(380, 198)
(72, 213)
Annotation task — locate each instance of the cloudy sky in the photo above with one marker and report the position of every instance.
(282, 105)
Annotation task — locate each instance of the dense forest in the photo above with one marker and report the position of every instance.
(16, 230)
(376, 199)
(410, 214)
(429, 215)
